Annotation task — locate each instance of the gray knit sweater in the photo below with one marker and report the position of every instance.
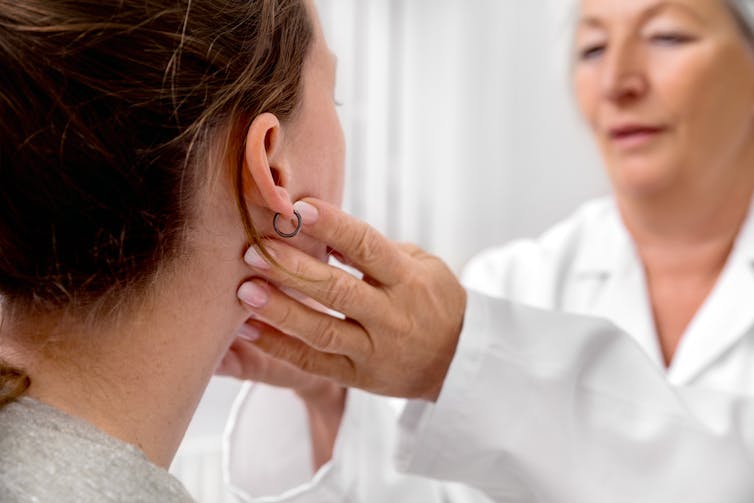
(48, 456)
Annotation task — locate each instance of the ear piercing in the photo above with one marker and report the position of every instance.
(288, 235)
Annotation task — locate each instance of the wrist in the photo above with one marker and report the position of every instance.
(446, 359)
(324, 396)
(325, 405)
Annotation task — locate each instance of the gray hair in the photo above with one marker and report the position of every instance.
(743, 10)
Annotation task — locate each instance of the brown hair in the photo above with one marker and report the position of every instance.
(106, 109)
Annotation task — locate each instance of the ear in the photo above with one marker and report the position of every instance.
(264, 161)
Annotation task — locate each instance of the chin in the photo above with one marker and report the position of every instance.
(641, 178)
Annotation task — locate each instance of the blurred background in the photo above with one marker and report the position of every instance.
(462, 133)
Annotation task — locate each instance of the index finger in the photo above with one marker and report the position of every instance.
(365, 248)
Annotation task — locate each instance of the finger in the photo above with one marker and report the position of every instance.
(245, 360)
(318, 330)
(411, 249)
(359, 243)
(231, 364)
(339, 368)
(330, 286)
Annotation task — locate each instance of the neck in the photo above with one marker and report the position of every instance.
(684, 238)
(142, 397)
(141, 381)
(687, 233)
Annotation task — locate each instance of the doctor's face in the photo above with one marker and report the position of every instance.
(667, 88)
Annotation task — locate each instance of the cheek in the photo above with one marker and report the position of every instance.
(682, 85)
(712, 97)
(340, 165)
(322, 162)
(332, 167)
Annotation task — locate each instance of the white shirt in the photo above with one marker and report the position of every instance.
(542, 406)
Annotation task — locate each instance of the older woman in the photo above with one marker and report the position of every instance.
(535, 406)
(139, 141)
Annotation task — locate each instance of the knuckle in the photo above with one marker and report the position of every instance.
(370, 348)
(405, 326)
(293, 352)
(284, 317)
(342, 290)
(366, 246)
(350, 370)
(288, 263)
(306, 361)
(338, 227)
(277, 350)
(298, 268)
(409, 248)
(326, 336)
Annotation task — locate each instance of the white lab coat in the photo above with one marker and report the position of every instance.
(541, 406)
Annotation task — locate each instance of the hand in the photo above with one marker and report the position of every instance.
(324, 399)
(245, 361)
(402, 319)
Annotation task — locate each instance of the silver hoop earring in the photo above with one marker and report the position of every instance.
(288, 235)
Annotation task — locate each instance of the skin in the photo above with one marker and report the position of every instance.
(136, 378)
(680, 70)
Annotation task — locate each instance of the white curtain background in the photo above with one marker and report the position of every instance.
(461, 127)
(461, 134)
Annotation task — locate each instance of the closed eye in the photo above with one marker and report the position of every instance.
(671, 39)
(592, 52)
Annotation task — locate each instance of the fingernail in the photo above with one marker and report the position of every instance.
(253, 295)
(249, 333)
(309, 214)
(255, 259)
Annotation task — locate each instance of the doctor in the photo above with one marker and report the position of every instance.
(528, 405)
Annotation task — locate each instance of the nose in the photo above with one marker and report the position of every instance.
(624, 78)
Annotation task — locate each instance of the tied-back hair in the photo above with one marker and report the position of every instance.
(107, 109)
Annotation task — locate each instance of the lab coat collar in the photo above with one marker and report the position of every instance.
(725, 317)
(607, 270)
(605, 242)
(609, 257)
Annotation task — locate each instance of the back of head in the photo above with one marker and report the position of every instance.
(106, 112)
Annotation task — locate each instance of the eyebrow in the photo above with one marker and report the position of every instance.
(596, 22)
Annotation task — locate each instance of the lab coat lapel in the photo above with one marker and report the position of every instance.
(725, 317)
(611, 281)
(624, 302)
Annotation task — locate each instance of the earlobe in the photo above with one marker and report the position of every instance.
(264, 162)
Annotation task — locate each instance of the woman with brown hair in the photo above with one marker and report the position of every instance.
(143, 145)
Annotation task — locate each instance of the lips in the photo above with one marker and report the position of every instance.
(634, 130)
(634, 135)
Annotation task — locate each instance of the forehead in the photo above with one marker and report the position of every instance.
(631, 10)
